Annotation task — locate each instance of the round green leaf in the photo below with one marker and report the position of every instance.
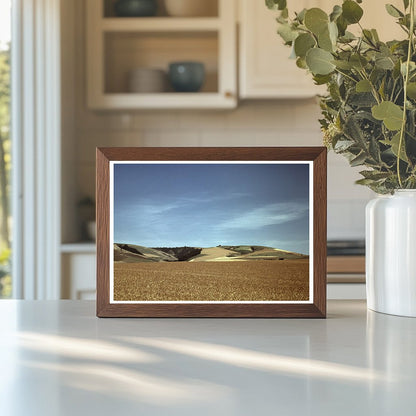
(344, 65)
(325, 42)
(351, 11)
(336, 12)
(384, 62)
(411, 90)
(316, 20)
(333, 32)
(319, 61)
(358, 61)
(322, 79)
(301, 15)
(287, 33)
(391, 114)
(393, 11)
(395, 144)
(276, 4)
(301, 63)
(303, 43)
(363, 86)
(342, 25)
(328, 38)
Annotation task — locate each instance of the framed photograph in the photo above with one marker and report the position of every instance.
(211, 232)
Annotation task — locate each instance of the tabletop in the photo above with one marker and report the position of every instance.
(57, 358)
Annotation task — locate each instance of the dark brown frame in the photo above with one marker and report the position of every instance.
(317, 309)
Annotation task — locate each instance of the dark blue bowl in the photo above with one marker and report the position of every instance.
(187, 76)
(135, 8)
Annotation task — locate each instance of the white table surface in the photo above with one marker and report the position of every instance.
(57, 358)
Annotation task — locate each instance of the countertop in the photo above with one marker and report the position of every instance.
(57, 358)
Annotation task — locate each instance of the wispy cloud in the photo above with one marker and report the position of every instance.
(208, 197)
(271, 214)
(152, 210)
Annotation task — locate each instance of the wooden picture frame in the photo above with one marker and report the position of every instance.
(298, 174)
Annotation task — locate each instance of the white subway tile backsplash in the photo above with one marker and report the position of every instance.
(171, 138)
(307, 113)
(96, 120)
(278, 117)
(202, 120)
(156, 119)
(346, 219)
(284, 137)
(341, 180)
(231, 138)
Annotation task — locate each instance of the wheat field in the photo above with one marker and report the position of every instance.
(259, 280)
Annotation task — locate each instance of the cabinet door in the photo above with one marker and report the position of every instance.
(78, 276)
(265, 68)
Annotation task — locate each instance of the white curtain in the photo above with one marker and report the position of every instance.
(36, 137)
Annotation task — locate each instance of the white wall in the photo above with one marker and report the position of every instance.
(255, 123)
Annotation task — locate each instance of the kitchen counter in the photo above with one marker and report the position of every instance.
(57, 358)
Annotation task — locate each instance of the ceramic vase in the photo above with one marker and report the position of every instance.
(391, 253)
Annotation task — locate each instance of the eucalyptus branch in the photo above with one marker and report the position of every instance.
(398, 95)
(392, 91)
(406, 80)
(346, 75)
(373, 88)
(404, 28)
(382, 104)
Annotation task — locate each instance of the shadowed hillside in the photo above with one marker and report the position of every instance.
(128, 253)
(181, 253)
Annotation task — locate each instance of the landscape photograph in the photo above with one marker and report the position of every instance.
(198, 232)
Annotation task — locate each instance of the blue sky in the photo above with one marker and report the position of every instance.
(204, 205)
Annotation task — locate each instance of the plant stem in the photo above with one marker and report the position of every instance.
(406, 80)
(373, 88)
(346, 75)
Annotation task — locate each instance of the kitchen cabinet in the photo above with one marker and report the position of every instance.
(265, 69)
(118, 45)
(78, 262)
(346, 277)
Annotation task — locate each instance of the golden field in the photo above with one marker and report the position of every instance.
(257, 280)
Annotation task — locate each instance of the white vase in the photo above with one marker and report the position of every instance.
(391, 253)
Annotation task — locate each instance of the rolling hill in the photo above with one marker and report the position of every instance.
(128, 253)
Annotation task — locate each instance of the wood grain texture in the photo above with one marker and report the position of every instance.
(319, 229)
(317, 309)
(103, 231)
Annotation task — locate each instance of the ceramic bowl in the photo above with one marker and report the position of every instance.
(186, 76)
(191, 8)
(135, 8)
(147, 80)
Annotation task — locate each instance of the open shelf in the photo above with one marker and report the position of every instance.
(127, 51)
(160, 24)
(87, 247)
(167, 100)
(210, 9)
(118, 45)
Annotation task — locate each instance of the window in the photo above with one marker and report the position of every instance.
(5, 159)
